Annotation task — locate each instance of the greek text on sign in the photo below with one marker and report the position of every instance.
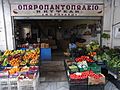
(57, 9)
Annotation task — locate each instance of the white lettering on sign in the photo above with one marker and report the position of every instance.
(57, 9)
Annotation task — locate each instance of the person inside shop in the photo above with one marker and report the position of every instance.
(72, 47)
(28, 38)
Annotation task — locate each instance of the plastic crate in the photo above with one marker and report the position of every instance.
(4, 84)
(28, 84)
(95, 68)
(13, 84)
(45, 54)
(8, 84)
(115, 71)
(84, 69)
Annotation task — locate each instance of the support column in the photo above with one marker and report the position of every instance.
(8, 25)
(3, 41)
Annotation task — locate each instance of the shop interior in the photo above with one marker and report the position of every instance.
(57, 33)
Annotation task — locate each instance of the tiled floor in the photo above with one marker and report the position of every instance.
(54, 86)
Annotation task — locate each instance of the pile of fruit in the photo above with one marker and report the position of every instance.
(85, 74)
(17, 59)
(84, 58)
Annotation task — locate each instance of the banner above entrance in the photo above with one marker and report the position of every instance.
(77, 9)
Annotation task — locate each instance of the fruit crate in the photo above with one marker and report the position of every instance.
(28, 84)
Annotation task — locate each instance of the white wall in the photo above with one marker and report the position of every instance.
(2, 29)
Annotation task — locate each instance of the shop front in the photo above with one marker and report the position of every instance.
(54, 27)
(53, 23)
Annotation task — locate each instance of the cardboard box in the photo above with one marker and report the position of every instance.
(93, 81)
(47, 45)
(44, 45)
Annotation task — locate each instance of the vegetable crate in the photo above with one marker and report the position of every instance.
(28, 84)
(95, 68)
(84, 69)
(94, 81)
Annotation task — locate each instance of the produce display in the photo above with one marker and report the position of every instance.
(83, 67)
(92, 58)
(16, 62)
(110, 56)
